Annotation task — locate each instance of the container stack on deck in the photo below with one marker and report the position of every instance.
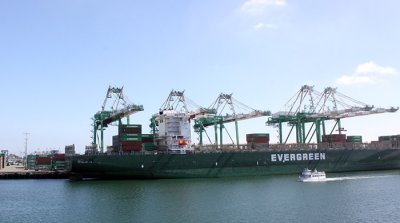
(257, 140)
(148, 142)
(91, 150)
(393, 139)
(70, 150)
(129, 139)
(334, 138)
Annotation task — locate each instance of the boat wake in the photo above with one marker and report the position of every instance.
(355, 178)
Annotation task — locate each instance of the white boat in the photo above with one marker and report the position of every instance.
(312, 176)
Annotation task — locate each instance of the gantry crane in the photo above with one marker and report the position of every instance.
(218, 119)
(120, 108)
(321, 107)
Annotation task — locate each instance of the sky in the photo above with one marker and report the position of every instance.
(57, 59)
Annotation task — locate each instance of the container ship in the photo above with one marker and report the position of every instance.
(168, 151)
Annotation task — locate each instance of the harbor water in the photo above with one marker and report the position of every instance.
(355, 197)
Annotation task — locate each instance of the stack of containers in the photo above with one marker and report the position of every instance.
(129, 138)
(257, 140)
(70, 150)
(354, 139)
(31, 162)
(91, 150)
(115, 143)
(148, 142)
(43, 162)
(334, 138)
(393, 139)
(396, 141)
(58, 161)
(2, 160)
(389, 138)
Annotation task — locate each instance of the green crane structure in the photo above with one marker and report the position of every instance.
(216, 118)
(309, 106)
(120, 108)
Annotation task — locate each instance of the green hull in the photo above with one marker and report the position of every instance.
(227, 164)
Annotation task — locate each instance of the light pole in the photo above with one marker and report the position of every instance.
(26, 150)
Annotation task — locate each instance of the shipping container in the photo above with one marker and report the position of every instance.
(130, 126)
(149, 146)
(385, 138)
(131, 149)
(130, 129)
(59, 157)
(92, 149)
(149, 140)
(58, 165)
(257, 138)
(357, 139)
(389, 138)
(2, 161)
(127, 143)
(255, 135)
(43, 160)
(43, 167)
(70, 150)
(334, 138)
(148, 135)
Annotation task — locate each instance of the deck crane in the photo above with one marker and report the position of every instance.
(220, 104)
(328, 105)
(120, 108)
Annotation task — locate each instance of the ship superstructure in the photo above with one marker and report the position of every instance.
(173, 125)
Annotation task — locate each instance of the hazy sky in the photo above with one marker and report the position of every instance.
(57, 59)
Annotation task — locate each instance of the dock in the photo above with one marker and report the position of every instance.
(19, 172)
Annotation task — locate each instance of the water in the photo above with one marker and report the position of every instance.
(360, 197)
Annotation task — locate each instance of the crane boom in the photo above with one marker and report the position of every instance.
(215, 118)
(238, 117)
(329, 105)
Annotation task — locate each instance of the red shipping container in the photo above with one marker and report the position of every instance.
(43, 160)
(129, 143)
(147, 140)
(59, 157)
(131, 148)
(334, 138)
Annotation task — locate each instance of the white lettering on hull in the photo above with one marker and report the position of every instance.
(285, 157)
